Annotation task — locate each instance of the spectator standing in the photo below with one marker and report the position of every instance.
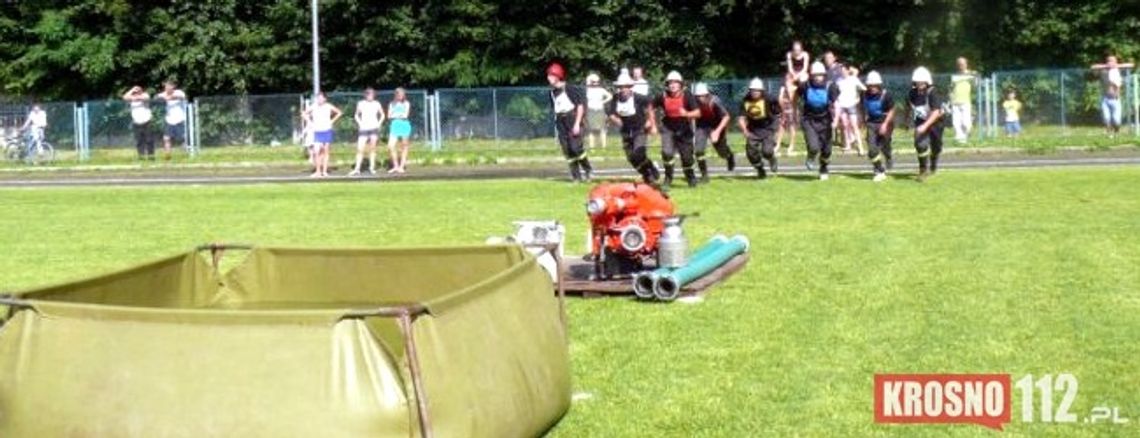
(1012, 108)
(1112, 83)
(798, 62)
(139, 102)
(399, 130)
(640, 85)
(369, 116)
(322, 117)
(835, 69)
(847, 109)
(789, 114)
(596, 99)
(962, 86)
(175, 129)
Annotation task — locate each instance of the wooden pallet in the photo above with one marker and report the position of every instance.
(578, 273)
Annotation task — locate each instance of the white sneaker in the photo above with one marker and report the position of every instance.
(879, 177)
(354, 173)
(823, 177)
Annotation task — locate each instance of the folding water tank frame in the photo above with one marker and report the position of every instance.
(454, 342)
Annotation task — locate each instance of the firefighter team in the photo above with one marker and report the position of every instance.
(690, 122)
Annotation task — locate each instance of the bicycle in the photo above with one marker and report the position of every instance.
(30, 151)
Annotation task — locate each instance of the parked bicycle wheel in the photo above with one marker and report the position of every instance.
(44, 154)
(11, 149)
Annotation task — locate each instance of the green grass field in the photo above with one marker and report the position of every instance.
(1035, 139)
(1021, 271)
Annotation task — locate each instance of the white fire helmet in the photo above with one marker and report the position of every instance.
(623, 80)
(701, 89)
(921, 74)
(674, 76)
(817, 68)
(592, 79)
(756, 84)
(873, 78)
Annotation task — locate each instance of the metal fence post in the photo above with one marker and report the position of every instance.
(1064, 121)
(85, 132)
(438, 128)
(427, 119)
(432, 121)
(191, 128)
(75, 130)
(495, 113)
(993, 104)
(983, 126)
(1135, 104)
(983, 108)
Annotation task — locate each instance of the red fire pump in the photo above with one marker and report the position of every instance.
(626, 221)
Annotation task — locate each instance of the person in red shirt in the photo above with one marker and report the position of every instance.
(679, 109)
(569, 105)
(711, 127)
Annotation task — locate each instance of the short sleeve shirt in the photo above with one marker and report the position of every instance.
(923, 104)
(761, 114)
(631, 111)
(711, 114)
(566, 100)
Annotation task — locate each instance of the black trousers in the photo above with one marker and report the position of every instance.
(928, 146)
(878, 145)
(761, 145)
(144, 139)
(572, 147)
(817, 135)
(636, 151)
(677, 141)
(701, 144)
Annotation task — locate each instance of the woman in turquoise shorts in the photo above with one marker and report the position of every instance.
(399, 130)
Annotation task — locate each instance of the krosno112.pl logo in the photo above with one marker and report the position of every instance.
(982, 399)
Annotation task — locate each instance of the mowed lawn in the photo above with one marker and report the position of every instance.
(1020, 271)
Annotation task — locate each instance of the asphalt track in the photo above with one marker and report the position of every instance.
(789, 166)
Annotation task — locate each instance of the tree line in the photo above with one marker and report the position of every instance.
(79, 49)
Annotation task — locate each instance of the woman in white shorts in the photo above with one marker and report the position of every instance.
(847, 106)
(399, 131)
(322, 117)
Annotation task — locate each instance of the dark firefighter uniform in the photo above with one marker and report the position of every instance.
(633, 113)
(761, 118)
(565, 102)
(711, 116)
(928, 145)
(677, 133)
(876, 106)
(818, 100)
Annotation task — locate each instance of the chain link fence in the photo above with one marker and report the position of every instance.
(1054, 102)
(60, 118)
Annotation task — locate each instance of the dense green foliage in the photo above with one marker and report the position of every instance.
(96, 48)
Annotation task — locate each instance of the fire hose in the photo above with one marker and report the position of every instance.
(666, 283)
